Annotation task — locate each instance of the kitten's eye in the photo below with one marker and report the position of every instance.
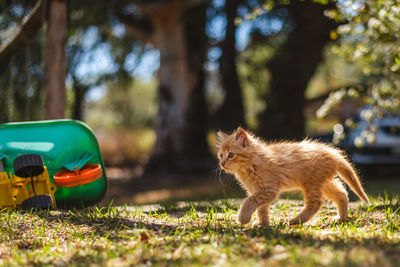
(221, 156)
(231, 155)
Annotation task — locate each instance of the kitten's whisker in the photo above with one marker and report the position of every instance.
(215, 172)
(219, 176)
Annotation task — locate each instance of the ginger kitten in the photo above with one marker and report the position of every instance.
(266, 170)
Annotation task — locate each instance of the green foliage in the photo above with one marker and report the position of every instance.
(126, 104)
(254, 78)
(370, 39)
(333, 73)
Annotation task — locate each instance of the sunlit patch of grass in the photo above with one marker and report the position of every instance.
(201, 233)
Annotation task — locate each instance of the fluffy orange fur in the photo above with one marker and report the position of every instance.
(266, 170)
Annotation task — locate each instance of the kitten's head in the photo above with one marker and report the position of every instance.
(234, 150)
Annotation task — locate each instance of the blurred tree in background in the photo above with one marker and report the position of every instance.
(55, 59)
(231, 112)
(177, 29)
(21, 66)
(55, 14)
(292, 67)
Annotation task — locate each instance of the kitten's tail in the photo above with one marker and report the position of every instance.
(347, 173)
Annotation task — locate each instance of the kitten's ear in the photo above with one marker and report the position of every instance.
(241, 137)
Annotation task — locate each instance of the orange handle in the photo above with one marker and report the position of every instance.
(87, 174)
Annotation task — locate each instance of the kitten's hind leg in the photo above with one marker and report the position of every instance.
(335, 191)
(313, 198)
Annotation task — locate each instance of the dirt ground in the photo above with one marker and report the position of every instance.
(128, 186)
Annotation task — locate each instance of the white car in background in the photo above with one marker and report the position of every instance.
(381, 146)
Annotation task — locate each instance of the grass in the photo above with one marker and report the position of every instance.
(201, 233)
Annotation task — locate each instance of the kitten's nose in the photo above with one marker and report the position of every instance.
(223, 163)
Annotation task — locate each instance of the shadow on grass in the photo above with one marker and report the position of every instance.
(394, 207)
(102, 224)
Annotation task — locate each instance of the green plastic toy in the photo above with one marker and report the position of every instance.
(70, 152)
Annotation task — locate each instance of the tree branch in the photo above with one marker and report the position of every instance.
(313, 104)
(28, 30)
(139, 27)
(361, 89)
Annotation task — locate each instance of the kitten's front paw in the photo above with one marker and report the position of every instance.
(260, 224)
(244, 217)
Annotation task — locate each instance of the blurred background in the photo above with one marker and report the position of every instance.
(155, 79)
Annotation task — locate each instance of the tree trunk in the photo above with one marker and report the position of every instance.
(196, 148)
(292, 68)
(181, 129)
(79, 98)
(55, 73)
(231, 113)
(177, 29)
